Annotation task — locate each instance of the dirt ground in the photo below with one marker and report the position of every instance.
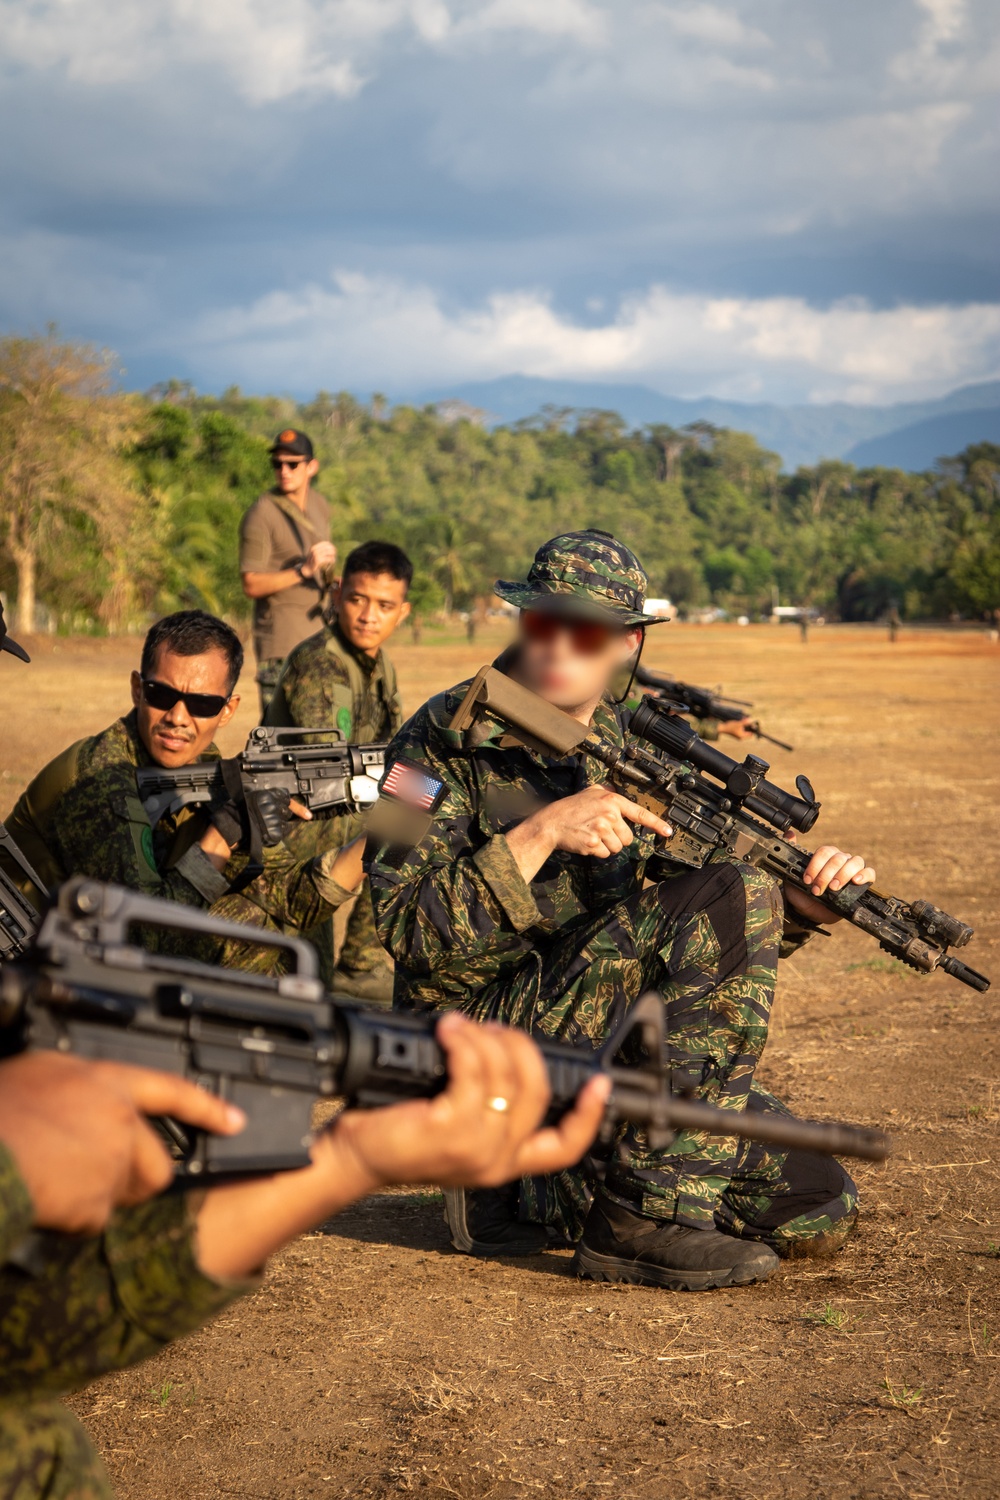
(376, 1362)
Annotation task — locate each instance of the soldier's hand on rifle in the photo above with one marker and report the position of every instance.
(275, 813)
(320, 555)
(739, 729)
(79, 1133)
(829, 869)
(596, 821)
(485, 1128)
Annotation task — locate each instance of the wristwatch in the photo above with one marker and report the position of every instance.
(299, 566)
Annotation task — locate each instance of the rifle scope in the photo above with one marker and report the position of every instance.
(656, 723)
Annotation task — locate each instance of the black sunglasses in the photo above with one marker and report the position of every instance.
(286, 463)
(198, 705)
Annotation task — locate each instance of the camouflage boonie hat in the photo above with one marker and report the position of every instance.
(587, 574)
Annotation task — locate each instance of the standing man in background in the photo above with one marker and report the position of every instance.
(285, 552)
(343, 679)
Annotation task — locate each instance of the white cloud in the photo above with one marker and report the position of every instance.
(575, 19)
(363, 331)
(926, 61)
(268, 51)
(714, 25)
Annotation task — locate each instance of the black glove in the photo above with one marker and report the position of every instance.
(272, 815)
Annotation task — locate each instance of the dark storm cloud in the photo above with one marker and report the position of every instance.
(382, 192)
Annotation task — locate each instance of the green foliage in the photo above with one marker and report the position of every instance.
(707, 510)
(828, 1317)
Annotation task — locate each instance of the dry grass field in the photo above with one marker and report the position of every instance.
(375, 1362)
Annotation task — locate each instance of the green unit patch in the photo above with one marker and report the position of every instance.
(146, 844)
(344, 721)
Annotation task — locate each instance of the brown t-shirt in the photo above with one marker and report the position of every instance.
(273, 538)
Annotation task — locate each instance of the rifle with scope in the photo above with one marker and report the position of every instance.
(715, 803)
(274, 1045)
(699, 702)
(316, 766)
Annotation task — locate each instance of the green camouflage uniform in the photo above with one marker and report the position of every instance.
(328, 683)
(72, 1308)
(82, 816)
(567, 954)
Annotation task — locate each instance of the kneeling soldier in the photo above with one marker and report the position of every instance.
(82, 814)
(534, 895)
(342, 679)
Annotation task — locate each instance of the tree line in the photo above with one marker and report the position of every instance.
(115, 507)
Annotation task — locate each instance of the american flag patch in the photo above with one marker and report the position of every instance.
(408, 782)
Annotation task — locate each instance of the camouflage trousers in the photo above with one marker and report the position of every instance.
(44, 1452)
(707, 940)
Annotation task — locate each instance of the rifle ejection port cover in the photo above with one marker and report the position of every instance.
(364, 790)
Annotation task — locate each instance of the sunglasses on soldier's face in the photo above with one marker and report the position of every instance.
(198, 705)
(588, 637)
(277, 464)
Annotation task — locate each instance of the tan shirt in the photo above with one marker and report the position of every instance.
(271, 540)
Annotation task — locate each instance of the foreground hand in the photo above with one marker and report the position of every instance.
(80, 1138)
(829, 869)
(455, 1140)
(458, 1139)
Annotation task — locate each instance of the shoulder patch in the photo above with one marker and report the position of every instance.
(408, 781)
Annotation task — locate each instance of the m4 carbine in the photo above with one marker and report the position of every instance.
(715, 803)
(275, 1045)
(699, 702)
(18, 918)
(316, 766)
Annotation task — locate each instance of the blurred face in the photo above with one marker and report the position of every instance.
(292, 473)
(370, 607)
(178, 732)
(570, 663)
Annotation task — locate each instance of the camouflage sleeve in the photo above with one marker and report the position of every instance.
(455, 902)
(313, 692)
(293, 895)
(70, 1309)
(101, 830)
(29, 822)
(17, 1211)
(707, 729)
(45, 1451)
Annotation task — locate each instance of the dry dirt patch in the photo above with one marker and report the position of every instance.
(375, 1362)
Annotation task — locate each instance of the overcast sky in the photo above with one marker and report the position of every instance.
(760, 199)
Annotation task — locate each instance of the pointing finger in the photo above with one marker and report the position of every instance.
(154, 1093)
(643, 817)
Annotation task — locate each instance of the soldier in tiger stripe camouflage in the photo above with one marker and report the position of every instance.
(530, 893)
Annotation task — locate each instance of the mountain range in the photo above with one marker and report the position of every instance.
(907, 435)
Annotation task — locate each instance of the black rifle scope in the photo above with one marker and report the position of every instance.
(662, 727)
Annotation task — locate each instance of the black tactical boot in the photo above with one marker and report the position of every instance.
(484, 1222)
(621, 1245)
